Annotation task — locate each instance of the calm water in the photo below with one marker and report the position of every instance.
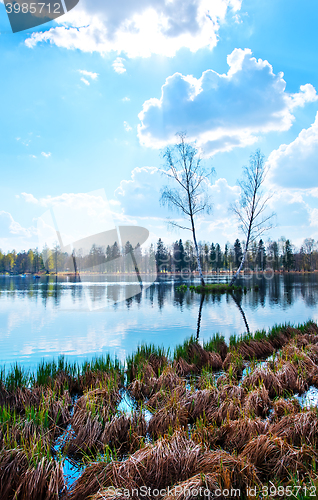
(44, 318)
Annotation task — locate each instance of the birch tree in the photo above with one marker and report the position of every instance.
(251, 210)
(188, 196)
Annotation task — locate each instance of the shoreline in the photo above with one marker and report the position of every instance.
(193, 274)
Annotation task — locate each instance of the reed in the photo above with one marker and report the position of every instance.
(146, 354)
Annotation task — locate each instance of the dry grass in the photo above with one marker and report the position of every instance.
(256, 349)
(204, 434)
(188, 490)
(231, 471)
(274, 457)
(155, 466)
(264, 376)
(23, 477)
(172, 416)
(202, 403)
(229, 409)
(282, 407)
(124, 433)
(290, 379)
(183, 368)
(297, 429)
(234, 435)
(257, 403)
(91, 413)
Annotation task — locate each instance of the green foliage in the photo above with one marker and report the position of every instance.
(215, 343)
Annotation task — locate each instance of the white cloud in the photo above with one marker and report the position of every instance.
(89, 74)
(13, 235)
(295, 165)
(222, 111)
(29, 198)
(139, 28)
(46, 155)
(118, 65)
(85, 81)
(125, 99)
(127, 127)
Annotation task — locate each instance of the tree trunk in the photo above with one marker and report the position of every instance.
(197, 251)
(200, 314)
(239, 269)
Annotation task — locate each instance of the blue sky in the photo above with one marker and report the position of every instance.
(89, 102)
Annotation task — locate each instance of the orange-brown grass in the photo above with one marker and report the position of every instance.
(143, 371)
(299, 358)
(183, 368)
(289, 378)
(156, 466)
(204, 434)
(235, 434)
(255, 349)
(312, 352)
(230, 409)
(94, 379)
(91, 413)
(168, 380)
(142, 389)
(233, 363)
(298, 429)
(231, 471)
(257, 402)
(274, 457)
(226, 379)
(264, 376)
(232, 391)
(124, 433)
(282, 407)
(160, 398)
(202, 403)
(172, 416)
(147, 386)
(188, 490)
(24, 478)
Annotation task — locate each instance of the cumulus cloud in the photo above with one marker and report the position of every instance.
(89, 74)
(222, 111)
(139, 196)
(295, 165)
(46, 155)
(140, 28)
(13, 235)
(118, 65)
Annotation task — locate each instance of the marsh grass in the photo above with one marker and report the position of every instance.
(239, 428)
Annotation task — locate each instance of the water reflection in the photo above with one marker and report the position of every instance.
(282, 289)
(49, 316)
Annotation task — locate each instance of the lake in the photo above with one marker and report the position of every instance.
(47, 317)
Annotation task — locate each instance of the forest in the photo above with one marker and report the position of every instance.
(177, 258)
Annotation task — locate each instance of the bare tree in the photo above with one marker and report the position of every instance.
(250, 211)
(189, 197)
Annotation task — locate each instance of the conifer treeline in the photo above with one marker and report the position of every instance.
(176, 258)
